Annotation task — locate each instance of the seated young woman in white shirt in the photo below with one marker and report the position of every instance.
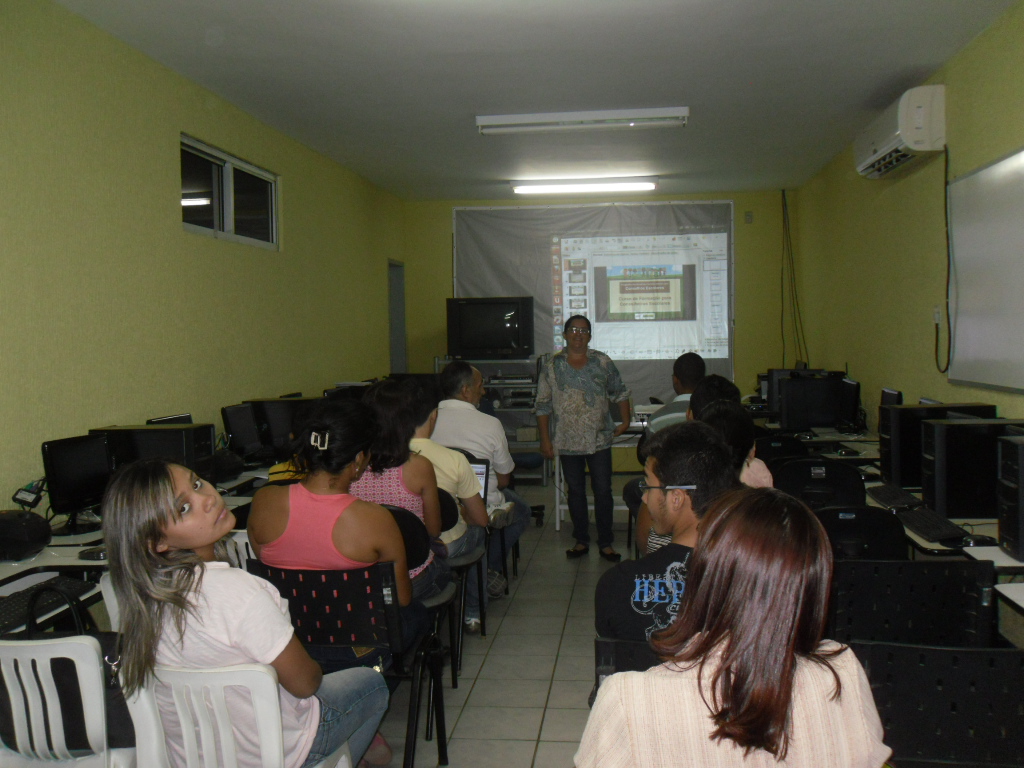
(186, 608)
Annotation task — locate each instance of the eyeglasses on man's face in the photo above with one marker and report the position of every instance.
(578, 331)
(645, 487)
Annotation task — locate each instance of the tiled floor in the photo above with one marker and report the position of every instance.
(522, 695)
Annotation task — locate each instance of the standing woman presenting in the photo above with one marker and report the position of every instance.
(573, 392)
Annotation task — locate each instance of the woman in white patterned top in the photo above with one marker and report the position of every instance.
(573, 392)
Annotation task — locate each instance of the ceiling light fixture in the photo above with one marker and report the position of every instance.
(570, 186)
(195, 201)
(667, 117)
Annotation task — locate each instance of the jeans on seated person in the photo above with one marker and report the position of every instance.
(352, 703)
(520, 521)
(432, 580)
(467, 542)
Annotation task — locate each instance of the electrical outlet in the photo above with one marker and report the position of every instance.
(937, 315)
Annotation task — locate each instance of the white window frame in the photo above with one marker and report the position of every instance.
(228, 163)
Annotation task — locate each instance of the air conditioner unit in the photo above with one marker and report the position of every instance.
(913, 125)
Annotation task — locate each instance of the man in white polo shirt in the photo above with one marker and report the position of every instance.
(461, 425)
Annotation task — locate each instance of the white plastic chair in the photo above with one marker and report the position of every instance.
(201, 708)
(32, 692)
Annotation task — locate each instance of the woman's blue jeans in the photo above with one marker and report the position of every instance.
(574, 471)
(352, 704)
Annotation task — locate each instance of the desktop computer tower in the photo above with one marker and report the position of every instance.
(191, 445)
(959, 465)
(1010, 498)
(899, 437)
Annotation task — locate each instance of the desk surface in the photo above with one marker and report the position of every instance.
(1002, 561)
(1013, 594)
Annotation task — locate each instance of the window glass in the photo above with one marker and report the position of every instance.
(253, 206)
(200, 190)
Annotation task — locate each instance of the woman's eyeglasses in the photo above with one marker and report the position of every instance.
(578, 331)
(645, 487)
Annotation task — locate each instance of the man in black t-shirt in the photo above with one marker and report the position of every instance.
(687, 467)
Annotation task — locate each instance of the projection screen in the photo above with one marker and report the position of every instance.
(654, 279)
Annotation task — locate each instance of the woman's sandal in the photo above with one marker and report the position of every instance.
(578, 551)
(610, 555)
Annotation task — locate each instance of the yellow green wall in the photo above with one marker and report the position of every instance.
(758, 258)
(109, 311)
(871, 254)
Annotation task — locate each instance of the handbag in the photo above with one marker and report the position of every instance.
(120, 729)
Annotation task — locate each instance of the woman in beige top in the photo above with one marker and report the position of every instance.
(748, 681)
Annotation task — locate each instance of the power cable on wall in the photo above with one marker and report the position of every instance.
(788, 279)
(949, 271)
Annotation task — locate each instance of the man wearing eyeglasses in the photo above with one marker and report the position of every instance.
(687, 467)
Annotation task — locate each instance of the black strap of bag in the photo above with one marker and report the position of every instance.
(120, 729)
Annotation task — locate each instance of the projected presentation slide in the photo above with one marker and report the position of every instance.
(648, 297)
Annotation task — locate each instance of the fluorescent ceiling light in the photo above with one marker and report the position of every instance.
(195, 201)
(569, 186)
(667, 117)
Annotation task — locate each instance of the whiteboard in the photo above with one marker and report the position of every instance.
(986, 215)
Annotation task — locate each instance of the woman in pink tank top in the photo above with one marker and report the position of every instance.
(401, 478)
(316, 523)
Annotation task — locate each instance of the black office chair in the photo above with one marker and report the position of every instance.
(935, 602)
(864, 533)
(417, 551)
(821, 482)
(772, 447)
(948, 706)
(359, 609)
(460, 567)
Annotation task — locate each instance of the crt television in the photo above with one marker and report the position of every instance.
(495, 328)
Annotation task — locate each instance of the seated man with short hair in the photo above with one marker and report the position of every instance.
(461, 425)
(687, 467)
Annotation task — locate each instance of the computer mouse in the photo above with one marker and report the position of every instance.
(93, 553)
(848, 452)
(977, 540)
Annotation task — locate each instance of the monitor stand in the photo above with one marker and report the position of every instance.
(75, 526)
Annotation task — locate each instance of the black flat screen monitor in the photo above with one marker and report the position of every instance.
(181, 418)
(891, 397)
(77, 471)
(279, 418)
(496, 328)
(777, 375)
(807, 402)
(243, 434)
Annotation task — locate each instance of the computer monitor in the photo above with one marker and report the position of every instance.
(346, 392)
(181, 418)
(891, 397)
(816, 401)
(277, 420)
(482, 471)
(77, 472)
(848, 412)
(243, 433)
(293, 394)
(928, 401)
(777, 375)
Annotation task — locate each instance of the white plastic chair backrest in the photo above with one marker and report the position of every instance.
(32, 692)
(201, 708)
(110, 601)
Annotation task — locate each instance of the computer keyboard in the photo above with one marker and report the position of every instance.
(893, 497)
(14, 608)
(929, 524)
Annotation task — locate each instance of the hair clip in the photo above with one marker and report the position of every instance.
(315, 439)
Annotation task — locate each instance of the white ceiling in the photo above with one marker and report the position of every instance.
(390, 88)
